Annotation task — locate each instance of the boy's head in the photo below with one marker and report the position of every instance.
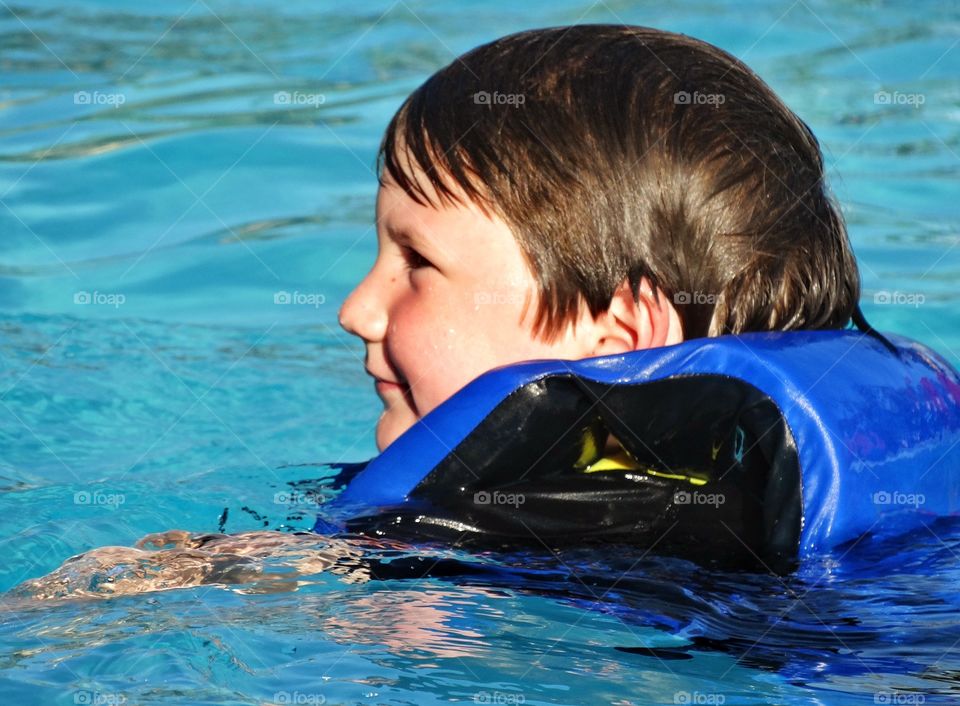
(588, 190)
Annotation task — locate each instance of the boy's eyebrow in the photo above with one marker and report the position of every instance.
(404, 236)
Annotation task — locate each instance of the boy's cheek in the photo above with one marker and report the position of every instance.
(434, 384)
(440, 372)
(441, 345)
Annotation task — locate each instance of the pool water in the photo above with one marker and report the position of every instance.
(186, 197)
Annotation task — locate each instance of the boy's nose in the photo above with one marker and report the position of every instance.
(362, 313)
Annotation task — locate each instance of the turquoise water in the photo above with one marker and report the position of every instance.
(148, 168)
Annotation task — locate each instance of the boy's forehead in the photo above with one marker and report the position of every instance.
(407, 222)
(400, 216)
(459, 237)
(398, 211)
(420, 178)
(423, 186)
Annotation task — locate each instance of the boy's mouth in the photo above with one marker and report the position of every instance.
(386, 385)
(388, 390)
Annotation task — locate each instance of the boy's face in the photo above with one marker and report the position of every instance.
(444, 302)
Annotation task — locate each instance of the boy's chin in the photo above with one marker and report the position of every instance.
(393, 423)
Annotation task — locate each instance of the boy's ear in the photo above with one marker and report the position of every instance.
(629, 325)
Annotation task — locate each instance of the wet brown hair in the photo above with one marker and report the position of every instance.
(616, 152)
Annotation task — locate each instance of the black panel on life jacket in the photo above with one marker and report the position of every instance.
(518, 476)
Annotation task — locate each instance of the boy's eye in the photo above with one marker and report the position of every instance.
(415, 260)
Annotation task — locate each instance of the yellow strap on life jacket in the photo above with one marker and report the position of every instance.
(622, 461)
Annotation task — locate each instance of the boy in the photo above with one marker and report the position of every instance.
(560, 193)
(583, 191)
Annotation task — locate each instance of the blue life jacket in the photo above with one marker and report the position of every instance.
(776, 445)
